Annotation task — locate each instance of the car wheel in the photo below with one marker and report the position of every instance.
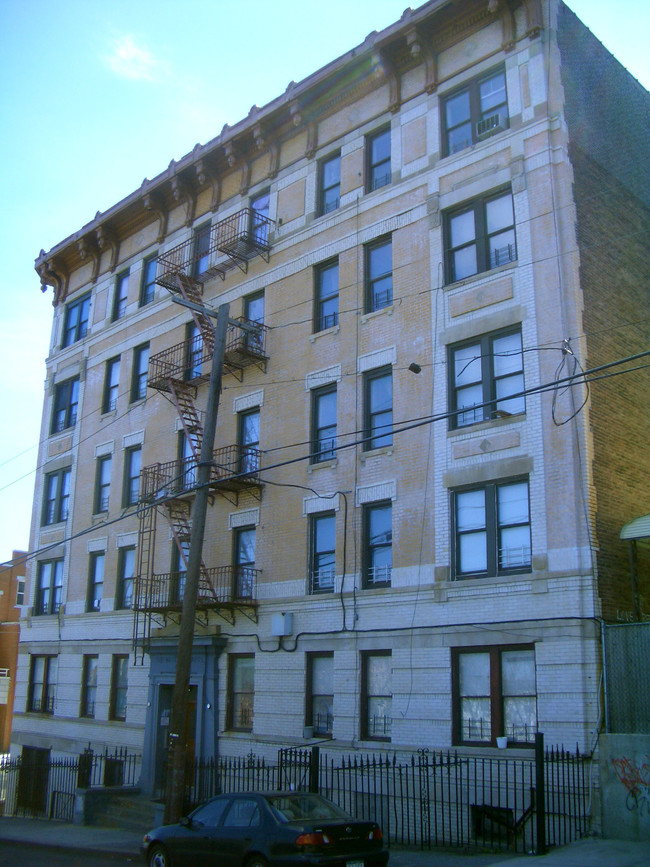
(157, 856)
(256, 861)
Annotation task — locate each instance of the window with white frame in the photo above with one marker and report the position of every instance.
(376, 695)
(320, 694)
(322, 544)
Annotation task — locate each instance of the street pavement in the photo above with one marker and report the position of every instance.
(590, 852)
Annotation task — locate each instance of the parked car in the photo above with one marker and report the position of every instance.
(266, 829)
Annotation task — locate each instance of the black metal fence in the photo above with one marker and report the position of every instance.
(34, 784)
(427, 799)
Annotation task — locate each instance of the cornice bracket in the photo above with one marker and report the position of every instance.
(52, 273)
(151, 202)
(108, 240)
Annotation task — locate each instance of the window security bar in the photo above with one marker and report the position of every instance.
(380, 726)
(379, 574)
(503, 255)
(511, 558)
(322, 580)
(328, 320)
(380, 181)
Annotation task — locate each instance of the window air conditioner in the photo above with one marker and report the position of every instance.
(490, 125)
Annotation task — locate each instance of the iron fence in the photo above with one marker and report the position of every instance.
(36, 785)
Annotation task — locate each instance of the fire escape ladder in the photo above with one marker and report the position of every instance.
(192, 290)
(144, 582)
(178, 513)
(182, 395)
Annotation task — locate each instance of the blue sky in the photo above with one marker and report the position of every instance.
(98, 95)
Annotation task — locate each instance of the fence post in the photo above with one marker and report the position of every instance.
(540, 794)
(314, 766)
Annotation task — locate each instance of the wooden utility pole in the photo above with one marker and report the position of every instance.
(178, 722)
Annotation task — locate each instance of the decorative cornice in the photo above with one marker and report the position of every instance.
(274, 159)
(52, 273)
(151, 202)
(205, 176)
(108, 240)
(87, 249)
(312, 140)
(183, 194)
(421, 50)
(394, 81)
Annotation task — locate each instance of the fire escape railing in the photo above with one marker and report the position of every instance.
(230, 243)
(220, 585)
(232, 465)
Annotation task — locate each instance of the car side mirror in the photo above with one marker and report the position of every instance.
(184, 821)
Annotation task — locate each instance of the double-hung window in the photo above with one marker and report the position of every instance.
(95, 581)
(66, 405)
(42, 684)
(148, 285)
(494, 694)
(139, 372)
(49, 587)
(111, 385)
(378, 406)
(330, 184)
(89, 685)
(320, 693)
(121, 295)
(260, 219)
(126, 577)
(326, 307)
(492, 529)
(186, 479)
(322, 552)
(119, 687)
(241, 691)
(249, 441)
(377, 544)
(486, 378)
(376, 695)
(244, 556)
(201, 251)
(323, 424)
(193, 351)
(102, 484)
(479, 109)
(180, 557)
(379, 275)
(254, 312)
(378, 160)
(132, 467)
(75, 325)
(480, 235)
(56, 501)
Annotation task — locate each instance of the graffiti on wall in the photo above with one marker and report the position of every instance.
(636, 779)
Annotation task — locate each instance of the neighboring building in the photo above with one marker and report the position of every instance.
(413, 535)
(12, 592)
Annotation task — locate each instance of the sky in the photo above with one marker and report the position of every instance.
(95, 96)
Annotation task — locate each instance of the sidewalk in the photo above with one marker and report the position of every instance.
(590, 852)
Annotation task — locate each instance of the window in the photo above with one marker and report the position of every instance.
(378, 544)
(201, 251)
(88, 686)
(377, 695)
(148, 285)
(241, 691)
(322, 552)
(329, 184)
(193, 351)
(95, 581)
(479, 236)
(492, 529)
(111, 385)
(126, 573)
(102, 484)
(254, 312)
(320, 693)
(477, 111)
(42, 684)
(132, 466)
(76, 320)
(121, 295)
(378, 156)
(56, 502)
(119, 684)
(494, 695)
(20, 591)
(66, 404)
(379, 275)
(49, 587)
(180, 557)
(249, 441)
(378, 405)
(139, 374)
(484, 374)
(326, 308)
(260, 218)
(188, 461)
(323, 424)
(244, 562)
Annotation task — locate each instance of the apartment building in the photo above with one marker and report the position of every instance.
(12, 592)
(413, 530)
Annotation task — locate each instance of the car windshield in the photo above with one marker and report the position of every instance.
(304, 807)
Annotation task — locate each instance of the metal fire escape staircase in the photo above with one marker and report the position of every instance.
(176, 373)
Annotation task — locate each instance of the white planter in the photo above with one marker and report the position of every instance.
(502, 743)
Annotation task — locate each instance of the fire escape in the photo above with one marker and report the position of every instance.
(167, 489)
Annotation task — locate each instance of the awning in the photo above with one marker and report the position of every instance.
(638, 528)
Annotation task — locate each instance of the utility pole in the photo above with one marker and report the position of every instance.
(178, 722)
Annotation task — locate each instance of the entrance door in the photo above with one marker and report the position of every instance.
(165, 693)
(32, 781)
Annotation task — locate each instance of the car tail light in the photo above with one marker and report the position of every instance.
(313, 838)
(375, 834)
